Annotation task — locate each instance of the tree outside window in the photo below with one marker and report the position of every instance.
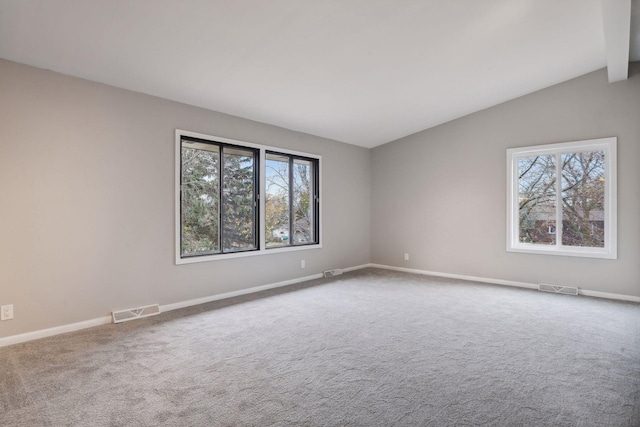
(211, 174)
(290, 200)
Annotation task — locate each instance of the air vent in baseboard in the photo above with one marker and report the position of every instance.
(135, 313)
(567, 290)
(331, 273)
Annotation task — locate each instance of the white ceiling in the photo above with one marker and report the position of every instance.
(364, 72)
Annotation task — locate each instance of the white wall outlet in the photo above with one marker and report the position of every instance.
(303, 264)
(406, 257)
(6, 312)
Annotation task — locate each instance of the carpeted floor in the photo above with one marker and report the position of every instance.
(369, 348)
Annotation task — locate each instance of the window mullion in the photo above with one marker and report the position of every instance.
(316, 202)
(262, 195)
(181, 216)
(220, 200)
(559, 204)
(256, 200)
(291, 213)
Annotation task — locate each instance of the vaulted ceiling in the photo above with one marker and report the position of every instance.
(363, 72)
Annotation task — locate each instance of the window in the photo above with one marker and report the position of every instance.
(290, 200)
(562, 199)
(219, 210)
(219, 198)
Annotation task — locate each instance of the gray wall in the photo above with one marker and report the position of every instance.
(440, 194)
(87, 182)
(87, 209)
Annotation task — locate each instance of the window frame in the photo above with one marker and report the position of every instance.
(316, 197)
(258, 192)
(222, 148)
(608, 146)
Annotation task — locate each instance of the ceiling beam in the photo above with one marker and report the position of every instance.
(616, 19)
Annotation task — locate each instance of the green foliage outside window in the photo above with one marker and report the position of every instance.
(203, 217)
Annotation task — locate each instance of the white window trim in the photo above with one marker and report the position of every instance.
(608, 145)
(263, 250)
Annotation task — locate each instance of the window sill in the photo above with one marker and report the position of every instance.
(219, 257)
(564, 251)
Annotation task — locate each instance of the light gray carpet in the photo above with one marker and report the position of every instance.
(369, 348)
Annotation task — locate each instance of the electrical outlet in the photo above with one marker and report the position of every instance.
(6, 312)
(406, 257)
(303, 264)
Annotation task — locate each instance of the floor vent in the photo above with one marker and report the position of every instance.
(331, 273)
(135, 313)
(567, 290)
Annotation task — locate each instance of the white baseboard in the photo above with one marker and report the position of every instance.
(43, 333)
(57, 330)
(357, 267)
(584, 292)
(217, 297)
(607, 295)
